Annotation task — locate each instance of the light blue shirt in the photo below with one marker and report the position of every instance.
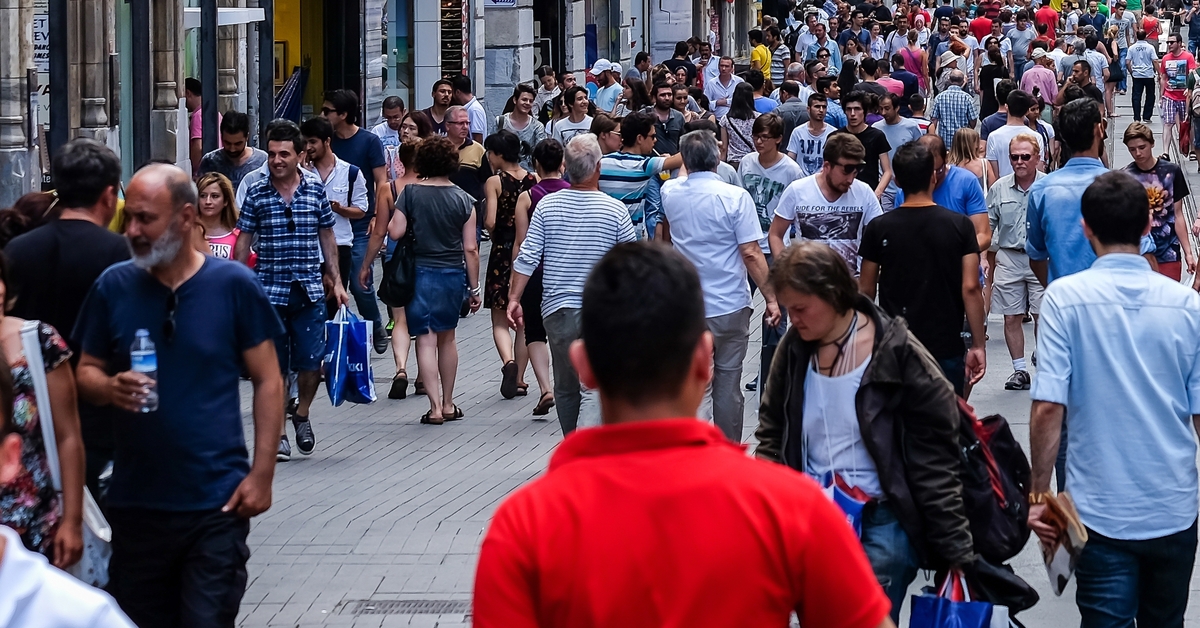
(834, 114)
(958, 192)
(1117, 346)
(1055, 229)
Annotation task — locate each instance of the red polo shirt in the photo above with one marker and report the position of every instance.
(665, 523)
(1048, 16)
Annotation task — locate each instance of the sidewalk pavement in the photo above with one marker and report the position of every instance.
(381, 526)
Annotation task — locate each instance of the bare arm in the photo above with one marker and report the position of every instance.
(383, 195)
(353, 213)
(64, 407)
(329, 250)
(521, 222)
(471, 253)
(779, 227)
(983, 231)
(868, 278)
(1040, 270)
(756, 266)
(1045, 428)
(491, 193)
(973, 300)
(1185, 238)
(993, 168)
(253, 494)
(885, 177)
(241, 248)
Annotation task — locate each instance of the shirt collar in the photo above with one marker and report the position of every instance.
(953, 87)
(642, 436)
(1083, 162)
(1038, 175)
(705, 174)
(1121, 261)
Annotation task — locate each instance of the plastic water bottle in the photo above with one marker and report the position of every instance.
(144, 360)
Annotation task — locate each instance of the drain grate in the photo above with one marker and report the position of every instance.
(406, 607)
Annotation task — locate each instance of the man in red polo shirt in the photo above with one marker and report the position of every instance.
(654, 518)
(1048, 16)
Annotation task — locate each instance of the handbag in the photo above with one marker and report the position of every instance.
(400, 270)
(92, 567)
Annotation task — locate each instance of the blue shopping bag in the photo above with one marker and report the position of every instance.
(950, 608)
(348, 375)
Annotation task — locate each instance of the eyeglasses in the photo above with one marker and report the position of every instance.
(1020, 157)
(850, 168)
(763, 137)
(326, 111)
(168, 328)
(458, 123)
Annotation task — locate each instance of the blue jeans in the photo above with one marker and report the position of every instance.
(368, 306)
(890, 553)
(1121, 85)
(955, 370)
(1123, 582)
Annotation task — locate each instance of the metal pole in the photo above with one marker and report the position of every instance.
(60, 114)
(142, 103)
(208, 75)
(266, 68)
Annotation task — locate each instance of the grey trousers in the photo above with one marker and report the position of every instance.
(563, 328)
(731, 338)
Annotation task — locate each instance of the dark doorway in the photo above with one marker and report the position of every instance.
(549, 41)
(343, 46)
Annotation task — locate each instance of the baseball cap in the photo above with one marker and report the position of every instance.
(1038, 53)
(615, 68)
(601, 65)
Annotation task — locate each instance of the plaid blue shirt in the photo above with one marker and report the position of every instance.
(289, 247)
(953, 109)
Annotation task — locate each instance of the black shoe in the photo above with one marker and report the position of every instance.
(752, 386)
(1019, 380)
(305, 441)
(381, 340)
(399, 386)
(285, 450)
(292, 406)
(508, 380)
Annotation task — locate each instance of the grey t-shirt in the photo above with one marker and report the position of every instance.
(436, 214)
(1020, 41)
(218, 161)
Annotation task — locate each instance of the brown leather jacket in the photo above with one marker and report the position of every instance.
(908, 416)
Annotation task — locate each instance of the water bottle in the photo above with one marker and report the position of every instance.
(143, 360)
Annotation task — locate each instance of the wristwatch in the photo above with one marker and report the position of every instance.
(474, 291)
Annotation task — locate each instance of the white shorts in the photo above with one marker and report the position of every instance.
(1015, 286)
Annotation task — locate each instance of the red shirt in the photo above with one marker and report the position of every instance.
(666, 523)
(981, 27)
(1048, 16)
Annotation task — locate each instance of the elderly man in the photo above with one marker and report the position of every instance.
(571, 230)
(715, 225)
(183, 488)
(953, 109)
(1015, 289)
(794, 72)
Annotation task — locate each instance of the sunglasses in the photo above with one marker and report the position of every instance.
(287, 211)
(850, 168)
(168, 327)
(1020, 157)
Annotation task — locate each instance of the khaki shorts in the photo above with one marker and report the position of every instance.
(1015, 285)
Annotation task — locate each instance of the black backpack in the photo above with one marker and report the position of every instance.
(995, 479)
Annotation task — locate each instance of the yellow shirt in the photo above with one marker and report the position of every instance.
(762, 56)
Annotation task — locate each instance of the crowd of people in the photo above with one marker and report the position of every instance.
(886, 176)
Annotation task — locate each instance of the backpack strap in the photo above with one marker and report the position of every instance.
(351, 178)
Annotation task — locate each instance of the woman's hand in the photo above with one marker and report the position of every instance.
(476, 301)
(68, 544)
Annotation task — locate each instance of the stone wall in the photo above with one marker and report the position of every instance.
(508, 54)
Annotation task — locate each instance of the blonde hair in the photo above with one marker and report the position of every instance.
(1028, 138)
(229, 213)
(965, 146)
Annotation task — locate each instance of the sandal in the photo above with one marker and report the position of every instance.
(522, 390)
(427, 420)
(544, 404)
(454, 416)
(508, 380)
(399, 388)
(419, 388)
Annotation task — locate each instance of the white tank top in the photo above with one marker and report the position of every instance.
(832, 441)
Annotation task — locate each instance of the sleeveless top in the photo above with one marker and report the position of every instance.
(222, 247)
(544, 187)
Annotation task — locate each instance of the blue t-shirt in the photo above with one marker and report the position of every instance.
(763, 104)
(365, 150)
(190, 454)
(959, 192)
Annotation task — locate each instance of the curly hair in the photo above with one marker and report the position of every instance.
(436, 157)
(229, 213)
(28, 213)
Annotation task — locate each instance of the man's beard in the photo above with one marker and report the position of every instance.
(164, 249)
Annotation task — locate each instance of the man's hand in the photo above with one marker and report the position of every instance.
(335, 206)
(339, 295)
(128, 390)
(976, 365)
(1045, 532)
(772, 315)
(516, 317)
(252, 497)
(364, 275)
(68, 544)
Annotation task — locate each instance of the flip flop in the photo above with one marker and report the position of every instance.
(508, 381)
(426, 420)
(419, 388)
(399, 388)
(544, 404)
(454, 416)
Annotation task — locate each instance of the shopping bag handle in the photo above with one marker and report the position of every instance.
(950, 592)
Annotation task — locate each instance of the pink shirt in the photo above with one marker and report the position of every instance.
(894, 86)
(1042, 78)
(196, 126)
(222, 246)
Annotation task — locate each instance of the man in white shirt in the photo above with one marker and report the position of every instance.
(1019, 103)
(708, 65)
(720, 91)
(388, 133)
(478, 117)
(715, 225)
(345, 187)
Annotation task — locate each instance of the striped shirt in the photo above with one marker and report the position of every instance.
(627, 177)
(569, 232)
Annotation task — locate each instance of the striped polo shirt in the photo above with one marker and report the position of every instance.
(627, 177)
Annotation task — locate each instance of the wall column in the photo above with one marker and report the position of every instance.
(508, 53)
(97, 39)
(18, 169)
(229, 43)
(168, 124)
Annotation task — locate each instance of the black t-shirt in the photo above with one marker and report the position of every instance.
(1093, 91)
(674, 64)
(50, 271)
(919, 251)
(876, 144)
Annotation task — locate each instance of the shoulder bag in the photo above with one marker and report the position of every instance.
(400, 270)
(92, 567)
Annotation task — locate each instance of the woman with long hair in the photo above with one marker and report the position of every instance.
(521, 122)
(218, 215)
(1114, 73)
(738, 125)
(848, 77)
(501, 192)
(442, 218)
(916, 61)
(607, 130)
(967, 152)
(988, 75)
(414, 127)
(633, 98)
(548, 158)
(854, 52)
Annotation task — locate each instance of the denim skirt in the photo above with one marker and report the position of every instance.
(437, 300)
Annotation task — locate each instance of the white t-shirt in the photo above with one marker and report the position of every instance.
(832, 440)
(386, 134)
(765, 186)
(563, 129)
(809, 149)
(838, 223)
(709, 220)
(997, 146)
(337, 188)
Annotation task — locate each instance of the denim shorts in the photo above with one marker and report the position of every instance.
(302, 343)
(437, 300)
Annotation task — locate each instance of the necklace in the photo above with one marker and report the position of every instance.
(842, 357)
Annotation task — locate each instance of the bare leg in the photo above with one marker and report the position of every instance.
(400, 339)
(427, 361)
(504, 342)
(539, 355)
(1014, 336)
(309, 381)
(522, 356)
(447, 365)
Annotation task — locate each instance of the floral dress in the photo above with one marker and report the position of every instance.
(504, 236)
(29, 504)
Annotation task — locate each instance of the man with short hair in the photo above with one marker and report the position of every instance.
(235, 158)
(1126, 35)
(627, 502)
(899, 131)
(1141, 63)
(957, 189)
(194, 102)
(924, 260)
(1019, 39)
(824, 43)
(52, 268)
(1019, 104)
(856, 31)
(827, 86)
(1004, 87)
(1093, 17)
(680, 60)
(715, 226)
(1117, 356)
(628, 174)
(705, 69)
(781, 56)
(1166, 185)
(1015, 289)
(1040, 80)
(478, 116)
(294, 223)
(870, 76)
(570, 231)
(1049, 17)
(640, 68)
(443, 96)
(793, 73)
(608, 88)
(806, 144)
(668, 123)
(1082, 77)
(720, 90)
(953, 109)
(762, 102)
(183, 488)
(388, 132)
(1175, 67)
(362, 148)
(760, 57)
(876, 170)
(831, 206)
(793, 111)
